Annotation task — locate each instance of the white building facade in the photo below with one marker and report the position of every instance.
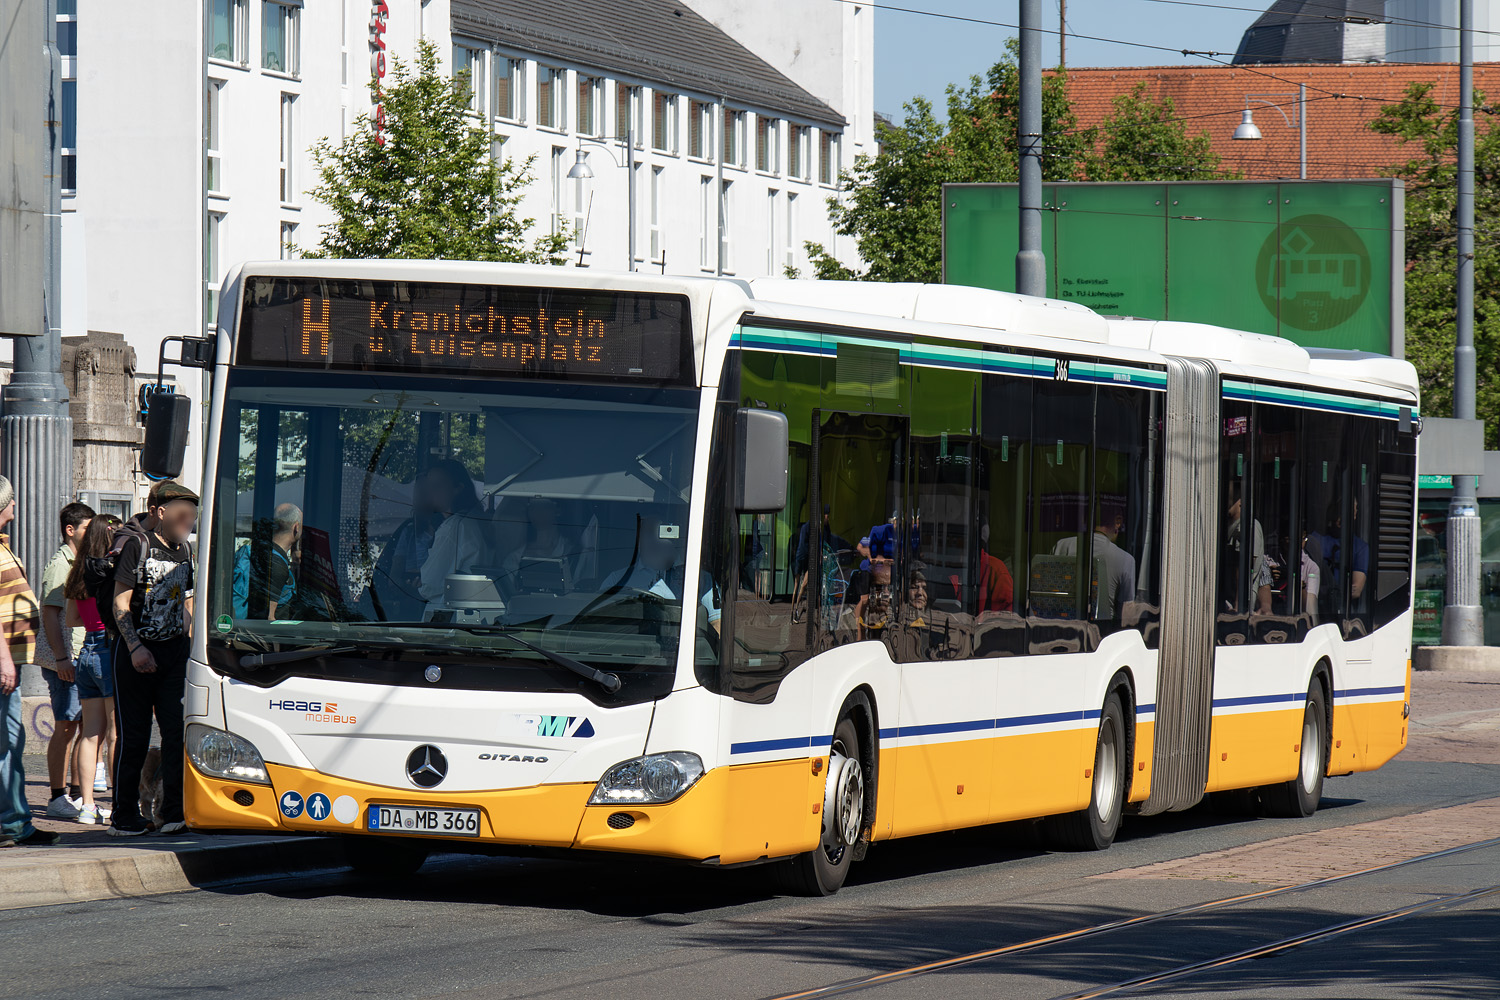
(180, 164)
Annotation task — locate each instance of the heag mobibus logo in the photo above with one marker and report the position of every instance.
(1313, 272)
(313, 711)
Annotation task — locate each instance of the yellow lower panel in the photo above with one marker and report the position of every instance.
(1042, 774)
(1254, 748)
(544, 816)
(1370, 734)
(739, 813)
(1140, 773)
(940, 786)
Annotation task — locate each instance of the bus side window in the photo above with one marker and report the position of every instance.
(1002, 484)
(1063, 578)
(1126, 525)
(1276, 476)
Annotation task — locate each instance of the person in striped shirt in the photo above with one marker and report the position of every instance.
(20, 616)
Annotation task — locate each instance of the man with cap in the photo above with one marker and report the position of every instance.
(153, 609)
(19, 620)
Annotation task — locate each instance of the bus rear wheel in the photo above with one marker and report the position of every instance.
(385, 856)
(1094, 828)
(1300, 796)
(821, 871)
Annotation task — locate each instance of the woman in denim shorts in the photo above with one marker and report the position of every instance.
(92, 668)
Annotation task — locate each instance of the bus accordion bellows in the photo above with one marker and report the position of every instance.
(511, 557)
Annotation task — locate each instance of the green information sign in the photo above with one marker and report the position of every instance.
(1317, 262)
(1427, 618)
(1435, 482)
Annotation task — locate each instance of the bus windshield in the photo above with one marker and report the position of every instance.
(385, 524)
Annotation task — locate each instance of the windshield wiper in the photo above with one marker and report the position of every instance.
(609, 682)
(254, 661)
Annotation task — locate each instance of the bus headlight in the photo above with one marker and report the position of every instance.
(649, 780)
(224, 755)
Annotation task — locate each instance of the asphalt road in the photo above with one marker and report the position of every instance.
(495, 927)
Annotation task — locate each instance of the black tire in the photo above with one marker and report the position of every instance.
(384, 856)
(822, 871)
(1094, 828)
(1300, 796)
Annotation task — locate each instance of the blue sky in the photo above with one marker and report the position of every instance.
(920, 54)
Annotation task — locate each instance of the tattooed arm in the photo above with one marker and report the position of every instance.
(140, 656)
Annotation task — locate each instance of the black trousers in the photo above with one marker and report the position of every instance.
(138, 697)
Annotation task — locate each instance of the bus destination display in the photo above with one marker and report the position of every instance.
(464, 329)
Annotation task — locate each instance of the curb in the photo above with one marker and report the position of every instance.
(126, 872)
(1483, 658)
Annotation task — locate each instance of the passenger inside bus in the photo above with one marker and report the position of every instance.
(1359, 549)
(265, 569)
(544, 545)
(1258, 585)
(459, 542)
(1114, 567)
(657, 567)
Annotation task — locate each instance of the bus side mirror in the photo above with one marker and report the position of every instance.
(762, 440)
(166, 437)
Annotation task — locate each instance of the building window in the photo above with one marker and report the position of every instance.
(288, 240)
(664, 122)
(468, 66)
(734, 137)
(288, 147)
(707, 221)
(773, 248)
(226, 30)
(657, 246)
(70, 135)
(700, 129)
(278, 37)
(798, 148)
(211, 257)
(67, 40)
(549, 87)
(828, 158)
(557, 175)
(726, 203)
(628, 112)
(791, 229)
(510, 89)
(590, 97)
(766, 134)
(215, 169)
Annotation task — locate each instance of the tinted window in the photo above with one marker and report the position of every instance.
(1063, 578)
(1001, 489)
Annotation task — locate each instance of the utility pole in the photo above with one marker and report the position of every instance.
(1463, 619)
(36, 433)
(1062, 34)
(1031, 263)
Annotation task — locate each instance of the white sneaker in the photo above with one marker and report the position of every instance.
(94, 814)
(62, 807)
(174, 827)
(101, 777)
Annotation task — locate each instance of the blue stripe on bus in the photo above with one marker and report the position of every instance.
(1259, 699)
(1364, 692)
(756, 746)
(1145, 709)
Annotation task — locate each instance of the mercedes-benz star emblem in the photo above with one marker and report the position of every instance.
(426, 766)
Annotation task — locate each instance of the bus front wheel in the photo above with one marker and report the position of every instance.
(821, 871)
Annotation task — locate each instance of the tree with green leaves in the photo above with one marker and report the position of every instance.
(891, 203)
(431, 189)
(1430, 131)
(1143, 140)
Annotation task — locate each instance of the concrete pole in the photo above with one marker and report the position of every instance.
(36, 433)
(1463, 618)
(1031, 263)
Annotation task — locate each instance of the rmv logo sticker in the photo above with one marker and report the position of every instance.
(564, 725)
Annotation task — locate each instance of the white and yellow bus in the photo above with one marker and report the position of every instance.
(734, 572)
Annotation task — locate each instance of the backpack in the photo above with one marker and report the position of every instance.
(99, 571)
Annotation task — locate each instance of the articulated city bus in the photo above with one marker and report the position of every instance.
(504, 557)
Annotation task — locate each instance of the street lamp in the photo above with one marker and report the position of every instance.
(1248, 130)
(581, 171)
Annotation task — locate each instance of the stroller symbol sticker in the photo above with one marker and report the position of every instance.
(291, 804)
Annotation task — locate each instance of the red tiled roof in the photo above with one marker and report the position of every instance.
(1339, 140)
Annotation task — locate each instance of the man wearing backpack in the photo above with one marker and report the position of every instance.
(153, 609)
